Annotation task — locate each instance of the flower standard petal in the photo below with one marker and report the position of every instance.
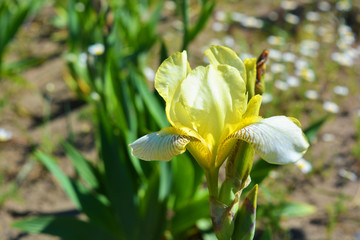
(250, 65)
(167, 81)
(162, 145)
(277, 140)
(253, 107)
(170, 74)
(223, 55)
(213, 98)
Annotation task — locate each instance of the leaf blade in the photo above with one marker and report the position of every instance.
(65, 227)
(64, 181)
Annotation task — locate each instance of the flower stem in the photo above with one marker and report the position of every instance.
(212, 181)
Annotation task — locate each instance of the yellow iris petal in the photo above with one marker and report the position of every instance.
(223, 55)
(209, 110)
(213, 97)
(170, 74)
(167, 80)
(250, 64)
(253, 107)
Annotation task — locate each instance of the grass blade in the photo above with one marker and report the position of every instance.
(64, 181)
(64, 227)
(83, 167)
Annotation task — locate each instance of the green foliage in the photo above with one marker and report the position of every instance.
(7, 192)
(13, 14)
(64, 227)
(190, 32)
(267, 235)
(122, 197)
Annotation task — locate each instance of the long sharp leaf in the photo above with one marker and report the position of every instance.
(119, 184)
(64, 181)
(82, 165)
(68, 228)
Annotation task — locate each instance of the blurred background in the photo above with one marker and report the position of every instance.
(77, 87)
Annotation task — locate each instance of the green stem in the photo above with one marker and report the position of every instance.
(226, 195)
(238, 168)
(212, 176)
(185, 11)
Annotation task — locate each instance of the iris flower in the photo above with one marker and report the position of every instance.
(209, 111)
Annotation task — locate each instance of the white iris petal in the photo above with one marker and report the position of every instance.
(159, 146)
(277, 139)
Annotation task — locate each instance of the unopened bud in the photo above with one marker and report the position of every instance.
(260, 72)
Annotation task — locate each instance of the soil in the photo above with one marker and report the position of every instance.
(37, 192)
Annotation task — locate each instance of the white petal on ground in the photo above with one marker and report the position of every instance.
(266, 98)
(313, 16)
(96, 49)
(331, 107)
(275, 54)
(277, 68)
(281, 85)
(304, 165)
(328, 137)
(293, 81)
(348, 175)
(5, 135)
(288, 5)
(324, 6)
(341, 90)
(275, 40)
(289, 57)
(292, 18)
(312, 94)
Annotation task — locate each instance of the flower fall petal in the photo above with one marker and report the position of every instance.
(162, 145)
(277, 140)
